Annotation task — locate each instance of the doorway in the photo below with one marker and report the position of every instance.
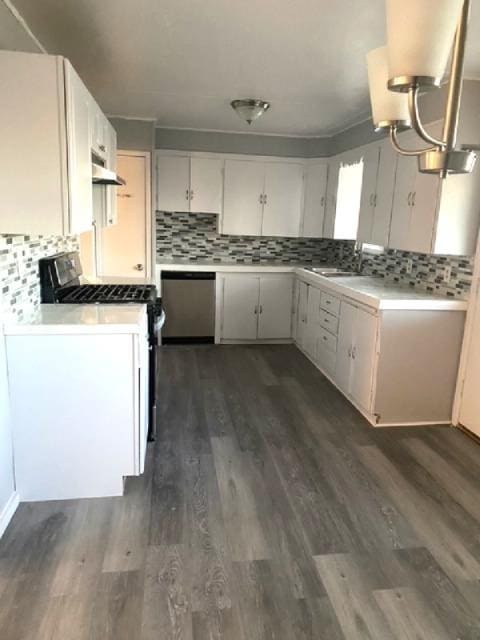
(124, 249)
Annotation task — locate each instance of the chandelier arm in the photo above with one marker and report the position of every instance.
(406, 152)
(456, 79)
(416, 122)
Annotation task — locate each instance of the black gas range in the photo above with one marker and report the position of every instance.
(60, 283)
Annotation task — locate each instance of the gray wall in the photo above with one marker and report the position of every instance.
(134, 135)
(432, 108)
(242, 143)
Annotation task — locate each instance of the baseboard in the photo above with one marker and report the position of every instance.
(8, 510)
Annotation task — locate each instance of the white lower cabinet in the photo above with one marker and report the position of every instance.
(83, 443)
(240, 308)
(255, 307)
(357, 335)
(382, 359)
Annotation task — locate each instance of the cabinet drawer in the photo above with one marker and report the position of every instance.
(330, 303)
(327, 340)
(329, 321)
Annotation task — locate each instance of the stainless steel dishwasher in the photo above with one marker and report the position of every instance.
(188, 298)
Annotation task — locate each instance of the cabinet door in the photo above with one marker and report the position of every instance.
(363, 357)
(275, 309)
(282, 208)
(313, 326)
(240, 308)
(382, 215)
(78, 102)
(242, 199)
(331, 198)
(173, 181)
(343, 369)
(424, 209)
(370, 158)
(402, 203)
(33, 171)
(302, 314)
(206, 185)
(314, 200)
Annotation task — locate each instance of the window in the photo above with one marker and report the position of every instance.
(349, 192)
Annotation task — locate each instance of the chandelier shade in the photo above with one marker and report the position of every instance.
(387, 107)
(420, 35)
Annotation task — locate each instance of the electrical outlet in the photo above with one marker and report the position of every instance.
(447, 273)
(409, 265)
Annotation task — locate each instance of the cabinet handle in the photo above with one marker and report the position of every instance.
(354, 352)
(191, 195)
(322, 201)
(260, 198)
(264, 198)
(261, 309)
(370, 200)
(349, 352)
(102, 147)
(255, 311)
(374, 199)
(187, 194)
(409, 199)
(414, 195)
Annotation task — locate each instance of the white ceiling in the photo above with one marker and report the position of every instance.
(180, 62)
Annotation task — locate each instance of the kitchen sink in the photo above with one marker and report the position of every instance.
(332, 272)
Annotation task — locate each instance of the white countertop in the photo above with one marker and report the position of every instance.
(227, 267)
(383, 294)
(61, 319)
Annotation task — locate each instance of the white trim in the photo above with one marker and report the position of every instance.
(22, 22)
(8, 511)
(112, 115)
(233, 156)
(467, 337)
(248, 133)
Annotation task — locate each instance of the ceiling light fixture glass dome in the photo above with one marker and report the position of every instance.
(249, 109)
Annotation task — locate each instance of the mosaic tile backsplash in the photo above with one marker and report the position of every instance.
(427, 271)
(194, 237)
(20, 285)
(184, 236)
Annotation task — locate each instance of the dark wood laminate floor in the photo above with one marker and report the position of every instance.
(269, 510)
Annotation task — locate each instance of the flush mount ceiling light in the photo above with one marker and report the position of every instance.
(249, 109)
(420, 38)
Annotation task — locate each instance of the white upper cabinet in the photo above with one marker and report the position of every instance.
(79, 151)
(189, 183)
(379, 167)
(45, 113)
(262, 198)
(314, 199)
(431, 215)
(206, 185)
(370, 156)
(383, 203)
(243, 198)
(331, 197)
(282, 201)
(173, 183)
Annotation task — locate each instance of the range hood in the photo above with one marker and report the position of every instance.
(101, 175)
